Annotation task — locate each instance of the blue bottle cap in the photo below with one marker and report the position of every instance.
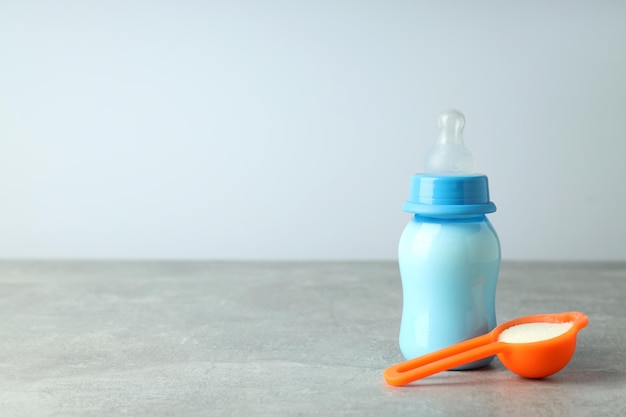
(449, 195)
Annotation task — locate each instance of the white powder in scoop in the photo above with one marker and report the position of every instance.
(533, 332)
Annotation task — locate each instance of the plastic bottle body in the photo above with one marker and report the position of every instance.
(449, 268)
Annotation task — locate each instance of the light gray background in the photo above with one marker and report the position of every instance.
(289, 129)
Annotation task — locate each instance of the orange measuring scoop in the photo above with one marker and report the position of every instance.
(533, 359)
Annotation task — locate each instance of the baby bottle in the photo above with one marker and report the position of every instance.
(449, 253)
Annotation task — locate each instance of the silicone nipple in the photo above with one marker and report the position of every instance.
(449, 156)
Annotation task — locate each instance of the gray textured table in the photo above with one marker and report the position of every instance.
(241, 339)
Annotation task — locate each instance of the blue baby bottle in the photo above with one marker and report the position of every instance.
(449, 253)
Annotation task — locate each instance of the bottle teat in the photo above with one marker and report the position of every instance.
(449, 156)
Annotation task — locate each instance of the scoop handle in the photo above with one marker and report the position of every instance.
(441, 360)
